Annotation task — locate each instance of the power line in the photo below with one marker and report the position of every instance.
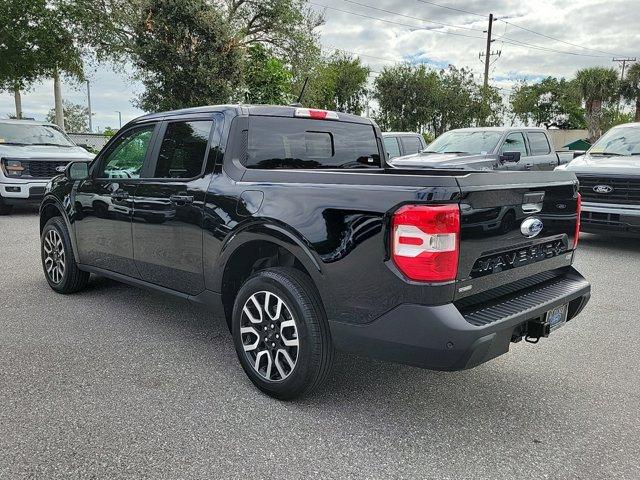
(415, 18)
(415, 27)
(452, 8)
(518, 43)
(556, 39)
(507, 40)
(520, 27)
(624, 62)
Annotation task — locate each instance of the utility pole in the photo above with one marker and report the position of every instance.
(119, 118)
(89, 106)
(487, 55)
(624, 64)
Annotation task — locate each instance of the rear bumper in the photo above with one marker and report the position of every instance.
(610, 218)
(444, 337)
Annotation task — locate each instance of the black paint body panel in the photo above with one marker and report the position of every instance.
(334, 222)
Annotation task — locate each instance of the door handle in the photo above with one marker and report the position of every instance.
(528, 166)
(120, 195)
(181, 199)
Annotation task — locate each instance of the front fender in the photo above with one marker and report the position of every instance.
(65, 212)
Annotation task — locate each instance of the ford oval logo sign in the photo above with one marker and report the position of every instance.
(603, 189)
(531, 227)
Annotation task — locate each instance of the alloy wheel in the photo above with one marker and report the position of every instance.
(54, 256)
(269, 336)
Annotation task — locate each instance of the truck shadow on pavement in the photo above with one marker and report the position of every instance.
(359, 389)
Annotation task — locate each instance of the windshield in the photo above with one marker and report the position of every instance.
(30, 134)
(618, 141)
(472, 142)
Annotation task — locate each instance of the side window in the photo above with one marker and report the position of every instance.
(411, 145)
(183, 149)
(514, 143)
(538, 143)
(126, 156)
(391, 146)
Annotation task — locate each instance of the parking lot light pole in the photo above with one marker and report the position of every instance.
(119, 119)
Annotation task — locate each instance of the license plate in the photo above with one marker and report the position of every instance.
(557, 317)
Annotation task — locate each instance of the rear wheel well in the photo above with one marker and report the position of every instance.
(47, 213)
(248, 259)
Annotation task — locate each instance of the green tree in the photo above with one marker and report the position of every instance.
(76, 117)
(552, 102)
(405, 97)
(35, 42)
(631, 88)
(612, 116)
(109, 131)
(461, 102)
(267, 80)
(194, 52)
(596, 85)
(185, 55)
(338, 83)
(413, 98)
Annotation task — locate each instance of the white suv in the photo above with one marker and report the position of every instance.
(30, 154)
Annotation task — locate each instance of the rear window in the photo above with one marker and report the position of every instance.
(411, 145)
(538, 143)
(392, 147)
(276, 142)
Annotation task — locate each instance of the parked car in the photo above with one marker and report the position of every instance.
(287, 223)
(495, 148)
(30, 154)
(398, 144)
(609, 175)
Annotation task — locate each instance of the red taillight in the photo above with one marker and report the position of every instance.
(425, 242)
(576, 237)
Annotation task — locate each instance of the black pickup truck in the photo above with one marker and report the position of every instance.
(288, 223)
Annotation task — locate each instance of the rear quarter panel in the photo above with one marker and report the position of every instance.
(338, 219)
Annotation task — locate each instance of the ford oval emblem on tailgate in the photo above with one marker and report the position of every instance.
(603, 189)
(531, 227)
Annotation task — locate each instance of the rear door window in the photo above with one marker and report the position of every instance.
(411, 145)
(538, 143)
(288, 143)
(183, 149)
(392, 147)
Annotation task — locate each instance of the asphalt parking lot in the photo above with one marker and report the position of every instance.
(117, 382)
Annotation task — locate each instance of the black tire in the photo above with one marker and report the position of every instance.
(72, 279)
(4, 208)
(315, 351)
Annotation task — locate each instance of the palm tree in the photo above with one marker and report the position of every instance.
(631, 87)
(596, 85)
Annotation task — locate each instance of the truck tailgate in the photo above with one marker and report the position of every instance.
(514, 226)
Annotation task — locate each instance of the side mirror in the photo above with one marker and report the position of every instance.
(511, 157)
(77, 171)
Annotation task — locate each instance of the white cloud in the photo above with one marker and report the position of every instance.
(607, 26)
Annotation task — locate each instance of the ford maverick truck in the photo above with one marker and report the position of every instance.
(289, 224)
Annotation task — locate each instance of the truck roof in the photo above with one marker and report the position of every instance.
(499, 129)
(400, 134)
(240, 109)
(15, 121)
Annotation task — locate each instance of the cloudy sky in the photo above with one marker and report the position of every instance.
(536, 39)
